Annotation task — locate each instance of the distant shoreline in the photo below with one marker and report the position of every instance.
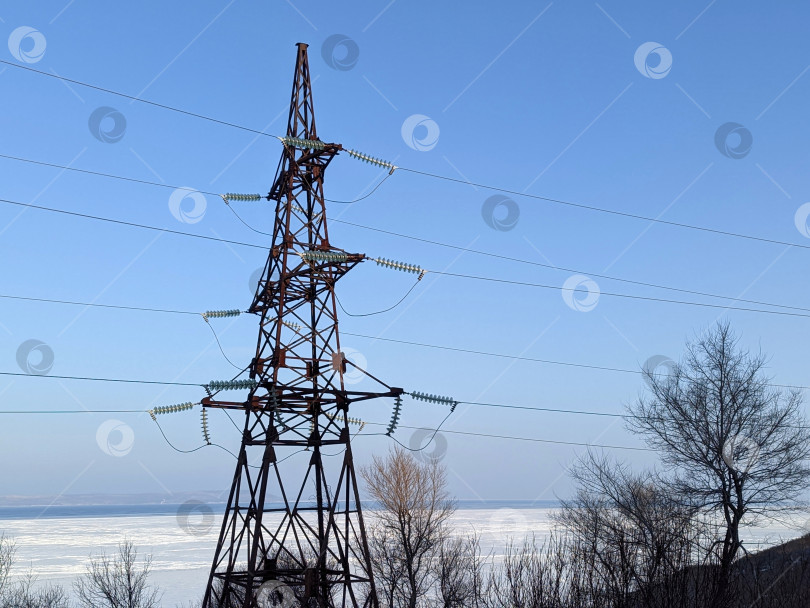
(70, 511)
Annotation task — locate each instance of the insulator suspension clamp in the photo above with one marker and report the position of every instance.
(347, 419)
(293, 326)
(171, 409)
(206, 435)
(435, 399)
(296, 142)
(230, 385)
(231, 196)
(395, 415)
(219, 314)
(401, 266)
(324, 256)
(370, 159)
(301, 210)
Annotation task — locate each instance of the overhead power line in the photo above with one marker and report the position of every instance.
(397, 234)
(523, 358)
(93, 379)
(95, 305)
(134, 98)
(468, 433)
(513, 438)
(438, 272)
(618, 295)
(615, 212)
(563, 268)
(513, 192)
(135, 180)
(130, 224)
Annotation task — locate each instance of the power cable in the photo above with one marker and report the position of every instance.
(522, 358)
(357, 200)
(92, 304)
(99, 174)
(131, 224)
(134, 98)
(435, 431)
(400, 235)
(93, 379)
(216, 337)
(390, 308)
(368, 337)
(607, 211)
(618, 295)
(564, 269)
(512, 438)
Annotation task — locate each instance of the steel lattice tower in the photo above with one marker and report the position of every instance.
(312, 538)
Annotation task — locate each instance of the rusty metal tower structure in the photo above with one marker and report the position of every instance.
(301, 539)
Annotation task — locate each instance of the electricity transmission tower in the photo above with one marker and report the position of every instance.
(286, 534)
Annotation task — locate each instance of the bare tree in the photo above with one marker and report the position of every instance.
(26, 594)
(733, 443)
(640, 542)
(459, 573)
(7, 552)
(117, 581)
(409, 527)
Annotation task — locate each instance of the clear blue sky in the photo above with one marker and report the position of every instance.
(542, 97)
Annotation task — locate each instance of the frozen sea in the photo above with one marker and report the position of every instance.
(55, 543)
